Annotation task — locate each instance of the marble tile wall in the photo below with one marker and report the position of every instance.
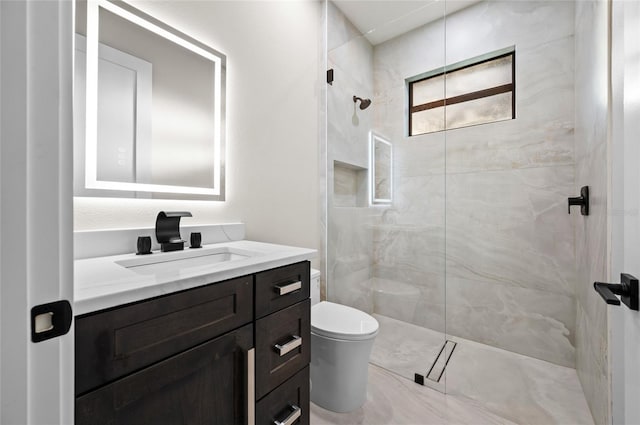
(479, 223)
(591, 100)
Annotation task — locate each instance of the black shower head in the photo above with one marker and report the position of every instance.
(364, 103)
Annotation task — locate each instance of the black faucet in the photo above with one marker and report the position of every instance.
(168, 230)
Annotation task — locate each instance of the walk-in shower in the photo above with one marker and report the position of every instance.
(470, 267)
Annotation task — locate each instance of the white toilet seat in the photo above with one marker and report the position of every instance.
(342, 322)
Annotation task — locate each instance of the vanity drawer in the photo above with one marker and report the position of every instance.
(282, 346)
(288, 400)
(281, 287)
(116, 342)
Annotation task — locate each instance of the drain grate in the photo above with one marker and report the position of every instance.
(439, 365)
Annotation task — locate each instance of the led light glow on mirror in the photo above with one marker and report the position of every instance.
(381, 170)
(91, 131)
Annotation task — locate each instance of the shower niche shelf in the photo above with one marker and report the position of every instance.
(349, 185)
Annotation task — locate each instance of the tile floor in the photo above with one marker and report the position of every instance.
(392, 399)
(484, 385)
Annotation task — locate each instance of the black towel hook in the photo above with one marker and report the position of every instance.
(582, 200)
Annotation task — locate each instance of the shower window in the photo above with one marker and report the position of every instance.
(476, 91)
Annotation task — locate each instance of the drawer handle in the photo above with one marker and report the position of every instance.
(296, 412)
(283, 349)
(251, 386)
(288, 288)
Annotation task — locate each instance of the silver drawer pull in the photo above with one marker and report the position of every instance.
(251, 386)
(287, 288)
(296, 412)
(295, 342)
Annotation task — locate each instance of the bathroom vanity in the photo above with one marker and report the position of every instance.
(218, 340)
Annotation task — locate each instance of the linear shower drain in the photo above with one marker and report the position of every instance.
(439, 365)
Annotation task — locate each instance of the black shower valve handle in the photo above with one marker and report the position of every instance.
(582, 201)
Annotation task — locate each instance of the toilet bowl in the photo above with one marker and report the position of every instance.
(341, 342)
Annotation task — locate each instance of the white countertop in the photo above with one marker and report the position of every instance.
(102, 283)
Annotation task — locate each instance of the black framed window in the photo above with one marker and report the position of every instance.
(469, 93)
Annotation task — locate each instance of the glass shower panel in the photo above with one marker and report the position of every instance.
(349, 217)
(387, 259)
(510, 254)
(469, 268)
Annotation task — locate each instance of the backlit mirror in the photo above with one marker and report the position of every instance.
(381, 170)
(149, 108)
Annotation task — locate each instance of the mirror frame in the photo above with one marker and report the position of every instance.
(137, 17)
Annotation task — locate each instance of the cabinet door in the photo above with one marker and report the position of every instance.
(204, 385)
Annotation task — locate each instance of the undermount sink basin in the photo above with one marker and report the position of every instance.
(163, 262)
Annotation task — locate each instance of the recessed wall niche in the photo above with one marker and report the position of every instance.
(349, 185)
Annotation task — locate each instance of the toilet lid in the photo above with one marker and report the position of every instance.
(342, 322)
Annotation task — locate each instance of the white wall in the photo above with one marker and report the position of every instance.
(273, 68)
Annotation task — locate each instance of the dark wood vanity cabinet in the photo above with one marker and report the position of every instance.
(200, 356)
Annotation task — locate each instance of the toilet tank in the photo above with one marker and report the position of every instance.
(315, 286)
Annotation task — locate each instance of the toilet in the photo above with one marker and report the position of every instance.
(341, 342)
